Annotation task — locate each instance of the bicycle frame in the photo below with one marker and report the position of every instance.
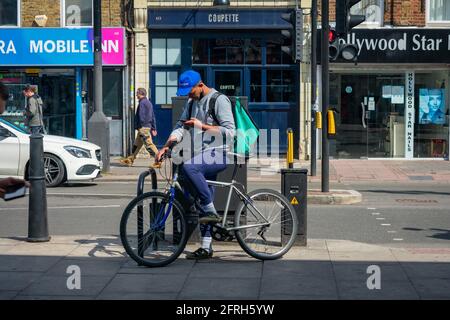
(232, 187)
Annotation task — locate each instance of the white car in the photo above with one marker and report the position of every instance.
(65, 159)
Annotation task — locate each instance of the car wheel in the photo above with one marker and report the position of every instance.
(54, 170)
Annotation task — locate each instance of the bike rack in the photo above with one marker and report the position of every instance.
(140, 190)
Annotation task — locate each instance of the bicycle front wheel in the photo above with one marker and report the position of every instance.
(153, 229)
(269, 225)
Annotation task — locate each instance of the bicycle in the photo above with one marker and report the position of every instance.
(158, 237)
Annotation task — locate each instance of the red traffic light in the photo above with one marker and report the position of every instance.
(332, 35)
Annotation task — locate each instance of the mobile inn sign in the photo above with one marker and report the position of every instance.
(401, 45)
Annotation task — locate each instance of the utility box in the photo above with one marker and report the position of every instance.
(294, 186)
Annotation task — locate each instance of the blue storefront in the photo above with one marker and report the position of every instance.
(58, 61)
(238, 52)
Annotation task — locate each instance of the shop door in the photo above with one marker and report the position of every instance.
(371, 116)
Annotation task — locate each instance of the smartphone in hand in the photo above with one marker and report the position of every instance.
(14, 192)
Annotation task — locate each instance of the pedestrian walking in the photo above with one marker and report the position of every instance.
(145, 124)
(34, 110)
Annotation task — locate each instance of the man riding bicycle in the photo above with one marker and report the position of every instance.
(209, 156)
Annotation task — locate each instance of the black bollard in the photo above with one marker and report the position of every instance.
(37, 206)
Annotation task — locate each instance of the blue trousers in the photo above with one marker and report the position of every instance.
(200, 168)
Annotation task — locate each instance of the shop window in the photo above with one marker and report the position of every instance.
(255, 86)
(253, 51)
(200, 51)
(432, 115)
(77, 13)
(166, 52)
(373, 10)
(112, 93)
(227, 51)
(438, 11)
(9, 13)
(274, 54)
(57, 89)
(166, 85)
(280, 86)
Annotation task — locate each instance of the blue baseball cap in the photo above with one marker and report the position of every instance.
(187, 81)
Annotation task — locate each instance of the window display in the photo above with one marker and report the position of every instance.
(432, 106)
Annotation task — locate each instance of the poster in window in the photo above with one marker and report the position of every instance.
(431, 106)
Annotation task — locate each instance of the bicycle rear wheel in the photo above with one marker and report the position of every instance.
(148, 238)
(276, 220)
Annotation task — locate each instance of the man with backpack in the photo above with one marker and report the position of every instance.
(34, 112)
(209, 156)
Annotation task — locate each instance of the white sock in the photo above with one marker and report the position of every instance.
(209, 207)
(206, 243)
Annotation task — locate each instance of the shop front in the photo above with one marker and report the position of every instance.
(238, 52)
(58, 62)
(395, 102)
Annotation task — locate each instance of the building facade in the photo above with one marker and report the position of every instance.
(394, 103)
(237, 50)
(48, 43)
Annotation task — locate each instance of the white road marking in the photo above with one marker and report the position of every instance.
(68, 207)
(392, 231)
(397, 239)
(371, 208)
(375, 213)
(381, 218)
(386, 224)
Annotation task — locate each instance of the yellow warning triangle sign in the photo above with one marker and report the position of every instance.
(294, 201)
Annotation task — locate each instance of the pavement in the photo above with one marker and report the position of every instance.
(325, 269)
(345, 170)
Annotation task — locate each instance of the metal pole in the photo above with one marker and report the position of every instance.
(325, 94)
(313, 87)
(37, 205)
(98, 124)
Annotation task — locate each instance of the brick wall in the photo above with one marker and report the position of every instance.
(111, 12)
(406, 12)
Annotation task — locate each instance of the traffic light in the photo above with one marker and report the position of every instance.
(293, 35)
(345, 21)
(334, 46)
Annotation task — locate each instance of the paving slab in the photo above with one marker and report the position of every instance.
(429, 288)
(316, 269)
(302, 254)
(88, 267)
(58, 297)
(27, 263)
(298, 285)
(16, 281)
(99, 251)
(427, 269)
(138, 296)
(218, 289)
(8, 295)
(372, 256)
(57, 286)
(358, 272)
(179, 266)
(421, 254)
(289, 296)
(389, 290)
(225, 270)
(145, 283)
(42, 249)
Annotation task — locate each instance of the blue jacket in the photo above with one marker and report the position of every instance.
(145, 117)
